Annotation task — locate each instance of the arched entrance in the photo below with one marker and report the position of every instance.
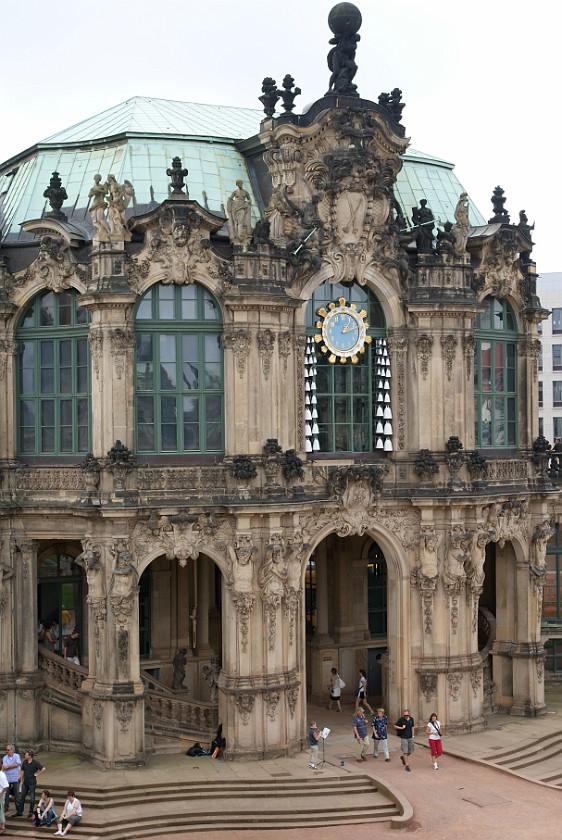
(351, 616)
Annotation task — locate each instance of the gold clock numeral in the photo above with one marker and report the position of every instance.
(354, 359)
(332, 359)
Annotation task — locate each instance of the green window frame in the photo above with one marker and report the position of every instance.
(495, 376)
(179, 372)
(346, 395)
(53, 376)
(552, 592)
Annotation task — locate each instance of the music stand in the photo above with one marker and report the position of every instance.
(324, 734)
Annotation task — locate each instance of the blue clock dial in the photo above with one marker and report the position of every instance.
(344, 331)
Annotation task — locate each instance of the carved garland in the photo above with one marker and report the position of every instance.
(266, 343)
(238, 342)
(424, 345)
(244, 604)
(448, 347)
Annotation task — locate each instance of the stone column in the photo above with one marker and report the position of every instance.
(25, 628)
(113, 715)
(8, 348)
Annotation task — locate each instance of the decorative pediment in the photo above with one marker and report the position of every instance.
(333, 204)
(177, 248)
(53, 268)
(499, 273)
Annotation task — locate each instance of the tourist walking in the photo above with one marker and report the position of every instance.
(30, 769)
(11, 764)
(361, 734)
(380, 734)
(434, 732)
(361, 692)
(405, 727)
(335, 685)
(71, 814)
(71, 647)
(313, 735)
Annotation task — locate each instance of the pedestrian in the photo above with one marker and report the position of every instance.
(361, 692)
(434, 732)
(71, 647)
(45, 810)
(29, 770)
(405, 727)
(11, 764)
(313, 735)
(3, 791)
(335, 685)
(51, 638)
(361, 734)
(71, 814)
(380, 734)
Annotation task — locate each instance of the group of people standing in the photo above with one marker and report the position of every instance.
(404, 726)
(18, 779)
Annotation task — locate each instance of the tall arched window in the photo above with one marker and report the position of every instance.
(179, 390)
(495, 376)
(348, 405)
(53, 393)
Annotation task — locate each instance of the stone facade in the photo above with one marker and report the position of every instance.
(235, 533)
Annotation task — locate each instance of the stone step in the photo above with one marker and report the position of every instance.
(539, 759)
(130, 812)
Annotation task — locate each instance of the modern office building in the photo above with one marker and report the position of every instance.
(262, 415)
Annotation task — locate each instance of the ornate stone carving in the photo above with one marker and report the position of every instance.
(7, 348)
(469, 349)
(244, 604)
(245, 705)
(266, 343)
(124, 713)
(271, 700)
(461, 228)
(428, 685)
(237, 342)
(476, 681)
(540, 668)
(425, 466)
(424, 343)
(54, 266)
(292, 698)
(97, 709)
(98, 615)
(90, 561)
(284, 342)
(123, 645)
(122, 342)
(176, 175)
(6, 572)
(345, 23)
(454, 679)
(448, 348)
(397, 347)
(113, 198)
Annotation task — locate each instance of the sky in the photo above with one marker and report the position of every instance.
(480, 79)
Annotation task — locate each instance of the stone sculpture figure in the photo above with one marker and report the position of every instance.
(344, 21)
(428, 554)
(424, 221)
(475, 563)
(98, 206)
(119, 197)
(211, 674)
(178, 674)
(238, 209)
(460, 230)
(541, 536)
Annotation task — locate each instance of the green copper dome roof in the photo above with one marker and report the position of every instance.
(136, 141)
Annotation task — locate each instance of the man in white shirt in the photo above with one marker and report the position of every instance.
(71, 814)
(11, 764)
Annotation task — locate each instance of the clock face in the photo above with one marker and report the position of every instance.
(344, 331)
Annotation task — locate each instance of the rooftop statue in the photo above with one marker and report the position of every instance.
(344, 20)
(98, 206)
(238, 211)
(119, 198)
(460, 230)
(423, 220)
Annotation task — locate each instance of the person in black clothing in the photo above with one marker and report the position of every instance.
(71, 651)
(405, 727)
(30, 769)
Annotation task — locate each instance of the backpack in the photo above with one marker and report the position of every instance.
(195, 750)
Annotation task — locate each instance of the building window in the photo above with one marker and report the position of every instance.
(557, 427)
(557, 392)
(495, 371)
(540, 358)
(348, 405)
(557, 357)
(556, 321)
(540, 395)
(539, 328)
(53, 389)
(541, 426)
(179, 391)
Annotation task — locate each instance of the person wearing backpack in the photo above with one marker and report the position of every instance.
(335, 685)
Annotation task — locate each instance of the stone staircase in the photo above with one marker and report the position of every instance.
(134, 811)
(539, 760)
